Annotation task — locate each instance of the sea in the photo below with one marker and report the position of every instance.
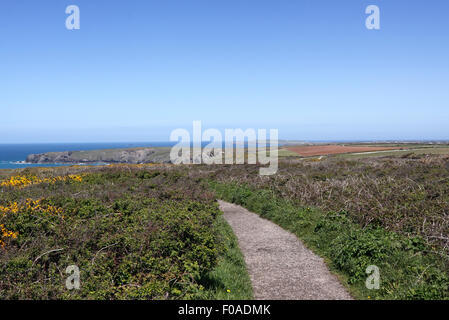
(12, 156)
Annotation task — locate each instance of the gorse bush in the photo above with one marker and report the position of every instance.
(129, 239)
(22, 181)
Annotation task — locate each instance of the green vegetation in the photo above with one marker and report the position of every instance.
(155, 231)
(407, 195)
(229, 280)
(409, 268)
(283, 152)
(134, 233)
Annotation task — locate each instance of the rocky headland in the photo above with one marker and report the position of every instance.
(132, 156)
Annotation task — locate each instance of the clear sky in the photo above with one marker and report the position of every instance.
(138, 69)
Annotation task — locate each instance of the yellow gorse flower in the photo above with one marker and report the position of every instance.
(30, 206)
(24, 181)
(12, 208)
(5, 233)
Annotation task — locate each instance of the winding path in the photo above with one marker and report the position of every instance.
(280, 266)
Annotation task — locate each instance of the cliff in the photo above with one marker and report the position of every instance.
(134, 156)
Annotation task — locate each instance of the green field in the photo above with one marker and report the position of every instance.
(409, 152)
(410, 149)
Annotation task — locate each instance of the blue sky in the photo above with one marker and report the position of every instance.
(138, 69)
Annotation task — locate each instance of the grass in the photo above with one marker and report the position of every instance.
(229, 280)
(409, 269)
(284, 152)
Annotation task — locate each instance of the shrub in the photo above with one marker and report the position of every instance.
(409, 268)
(128, 239)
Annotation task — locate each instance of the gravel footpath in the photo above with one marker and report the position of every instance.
(280, 266)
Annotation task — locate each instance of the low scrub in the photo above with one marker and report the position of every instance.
(133, 233)
(405, 195)
(409, 268)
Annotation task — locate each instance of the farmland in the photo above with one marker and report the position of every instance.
(363, 150)
(321, 150)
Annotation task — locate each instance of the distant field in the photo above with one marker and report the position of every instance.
(432, 150)
(321, 150)
(364, 150)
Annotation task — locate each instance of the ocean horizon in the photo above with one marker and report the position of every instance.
(13, 156)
